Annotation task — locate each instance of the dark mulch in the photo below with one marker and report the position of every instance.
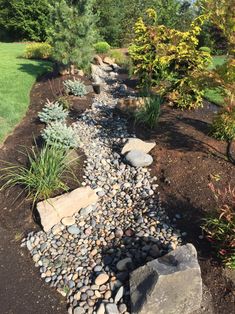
(186, 160)
(21, 289)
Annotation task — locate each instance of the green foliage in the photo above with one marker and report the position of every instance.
(117, 17)
(60, 135)
(220, 225)
(223, 125)
(43, 177)
(53, 112)
(119, 56)
(24, 19)
(38, 51)
(72, 33)
(205, 49)
(102, 47)
(150, 112)
(75, 87)
(169, 58)
(63, 101)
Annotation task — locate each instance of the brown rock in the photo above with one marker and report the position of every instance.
(98, 60)
(101, 279)
(51, 211)
(109, 61)
(129, 105)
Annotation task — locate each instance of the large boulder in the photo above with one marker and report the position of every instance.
(137, 144)
(171, 284)
(137, 159)
(51, 211)
(98, 74)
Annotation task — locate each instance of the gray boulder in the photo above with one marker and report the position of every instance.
(171, 284)
(137, 158)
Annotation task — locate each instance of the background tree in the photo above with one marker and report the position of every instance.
(72, 33)
(24, 19)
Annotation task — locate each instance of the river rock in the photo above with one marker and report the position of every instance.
(101, 279)
(68, 221)
(171, 284)
(137, 144)
(111, 308)
(138, 159)
(53, 210)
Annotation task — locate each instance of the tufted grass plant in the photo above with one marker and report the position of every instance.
(150, 112)
(43, 176)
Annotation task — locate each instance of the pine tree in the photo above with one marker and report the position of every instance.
(73, 32)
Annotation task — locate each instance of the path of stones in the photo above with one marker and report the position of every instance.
(90, 258)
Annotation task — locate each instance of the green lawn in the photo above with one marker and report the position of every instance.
(216, 95)
(17, 76)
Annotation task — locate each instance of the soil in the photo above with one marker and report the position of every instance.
(21, 290)
(186, 160)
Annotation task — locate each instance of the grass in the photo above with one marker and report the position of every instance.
(17, 77)
(216, 94)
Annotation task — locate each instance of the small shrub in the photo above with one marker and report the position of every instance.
(223, 125)
(220, 225)
(102, 47)
(53, 112)
(150, 113)
(120, 58)
(205, 49)
(75, 87)
(63, 101)
(43, 177)
(60, 135)
(38, 51)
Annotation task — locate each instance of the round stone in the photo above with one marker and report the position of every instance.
(68, 221)
(101, 279)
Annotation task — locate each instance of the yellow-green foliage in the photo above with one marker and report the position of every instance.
(160, 54)
(38, 51)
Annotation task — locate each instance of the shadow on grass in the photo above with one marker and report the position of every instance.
(36, 70)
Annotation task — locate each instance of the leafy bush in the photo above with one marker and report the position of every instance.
(149, 114)
(60, 135)
(44, 176)
(102, 47)
(205, 49)
(160, 54)
(220, 225)
(75, 87)
(63, 101)
(53, 112)
(38, 51)
(223, 125)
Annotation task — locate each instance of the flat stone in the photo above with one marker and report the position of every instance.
(68, 221)
(101, 279)
(119, 295)
(78, 310)
(138, 159)
(123, 264)
(53, 210)
(171, 284)
(137, 144)
(111, 308)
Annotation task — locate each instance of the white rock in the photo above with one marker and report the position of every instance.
(138, 159)
(137, 144)
(68, 221)
(53, 210)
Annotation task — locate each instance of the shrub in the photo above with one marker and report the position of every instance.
(205, 49)
(162, 54)
(63, 101)
(53, 112)
(102, 47)
(119, 56)
(220, 225)
(60, 135)
(75, 87)
(150, 113)
(38, 51)
(43, 177)
(223, 125)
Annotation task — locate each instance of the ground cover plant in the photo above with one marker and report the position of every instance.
(44, 174)
(102, 47)
(53, 111)
(16, 79)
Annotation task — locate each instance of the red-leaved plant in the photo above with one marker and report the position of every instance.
(220, 225)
